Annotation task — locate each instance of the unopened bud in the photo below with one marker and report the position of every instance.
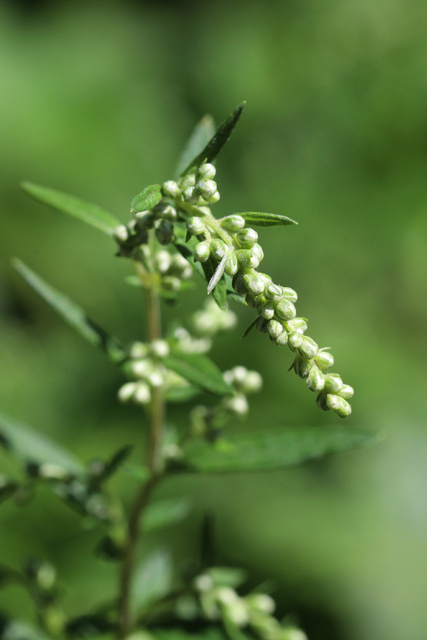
(233, 223)
(297, 324)
(202, 251)
(252, 382)
(207, 189)
(258, 252)
(206, 172)
(315, 380)
(142, 393)
(239, 284)
(273, 292)
(170, 189)
(138, 350)
(285, 310)
(261, 602)
(267, 311)
(346, 391)
(333, 383)
(164, 232)
(247, 258)
(282, 339)
(126, 392)
(324, 360)
(121, 233)
(218, 249)
(231, 264)
(274, 328)
(189, 195)
(247, 238)
(171, 283)
(237, 404)
(159, 348)
(302, 366)
(309, 348)
(254, 283)
(339, 405)
(295, 340)
(196, 226)
(289, 294)
(162, 260)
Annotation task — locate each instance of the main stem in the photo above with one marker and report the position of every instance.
(157, 412)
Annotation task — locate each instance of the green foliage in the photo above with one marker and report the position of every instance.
(202, 134)
(199, 370)
(147, 199)
(266, 219)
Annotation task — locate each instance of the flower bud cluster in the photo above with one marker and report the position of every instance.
(173, 269)
(254, 612)
(145, 371)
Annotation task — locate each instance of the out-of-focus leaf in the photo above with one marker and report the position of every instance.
(114, 463)
(249, 328)
(270, 450)
(87, 212)
(181, 393)
(35, 448)
(152, 581)
(227, 576)
(147, 199)
(164, 513)
(7, 488)
(266, 219)
(72, 313)
(216, 143)
(19, 630)
(199, 370)
(209, 633)
(202, 133)
(137, 472)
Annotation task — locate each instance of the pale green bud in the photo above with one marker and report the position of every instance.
(226, 595)
(202, 251)
(254, 283)
(142, 394)
(169, 212)
(140, 368)
(126, 392)
(206, 172)
(164, 232)
(258, 252)
(231, 265)
(162, 260)
(159, 348)
(239, 285)
(274, 328)
(324, 360)
(206, 189)
(170, 189)
(121, 233)
(138, 350)
(236, 404)
(237, 613)
(282, 339)
(247, 238)
(273, 292)
(289, 294)
(261, 325)
(196, 226)
(252, 382)
(203, 583)
(315, 380)
(261, 602)
(189, 194)
(285, 310)
(295, 340)
(302, 366)
(218, 249)
(188, 181)
(247, 259)
(339, 405)
(309, 348)
(267, 311)
(321, 401)
(346, 391)
(333, 383)
(297, 324)
(233, 223)
(171, 283)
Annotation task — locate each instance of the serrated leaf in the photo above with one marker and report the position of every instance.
(72, 313)
(85, 211)
(33, 447)
(216, 143)
(152, 581)
(202, 133)
(199, 370)
(147, 199)
(218, 273)
(266, 219)
(268, 451)
(164, 513)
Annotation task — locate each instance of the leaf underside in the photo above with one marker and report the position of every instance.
(266, 219)
(199, 370)
(147, 199)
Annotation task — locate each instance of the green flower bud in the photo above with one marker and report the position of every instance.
(206, 172)
(282, 339)
(261, 325)
(247, 238)
(333, 383)
(339, 405)
(164, 232)
(297, 324)
(188, 181)
(126, 392)
(315, 380)
(189, 194)
(206, 189)
(267, 311)
(309, 348)
(233, 223)
(231, 265)
(274, 328)
(159, 348)
(142, 393)
(218, 249)
(202, 251)
(273, 292)
(236, 404)
(171, 283)
(253, 283)
(346, 391)
(324, 360)
(289, 294)
(302, 366)
(261, 602)
(247, 259)
(252, 382)
(295, 340)
(162, 261)
(170, 189)
(196, 226)
(121, 233)
(258, 252)
(238, 284)
(138, 350)
(321, 401)
(285, 310)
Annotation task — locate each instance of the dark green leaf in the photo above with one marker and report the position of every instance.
(114, 463)
(249, 329)
(199, 370)
(181, 393)
(216, 143)
(218, 273)
(208, 633)
(147, 199)
(236, 297)
(35, 448)
(7, 490)
(153, 578)
(72, 313)
(202, 133)
(267, 451)
(85, 211)
(266, 219)
(164, 513)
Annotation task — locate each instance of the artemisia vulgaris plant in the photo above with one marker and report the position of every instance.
(171, 239)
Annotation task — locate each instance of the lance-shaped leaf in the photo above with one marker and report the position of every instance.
(147, 199)
(164, 513)
(219, 293)
(266, 219)
(219, 272)
(199, 370)
(72, 313)
(216, 143)
(202, 133)
(113, 464)
(250, 327)
(86, 211)
(272, 450)
(32, 447)
(152, 580)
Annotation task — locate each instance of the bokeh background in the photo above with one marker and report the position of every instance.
(97, 99)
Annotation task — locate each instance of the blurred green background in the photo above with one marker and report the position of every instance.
(97, 99)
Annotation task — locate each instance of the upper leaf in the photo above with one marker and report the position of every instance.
(86, 211)
(152, 580)
(270, 450)
(72, 313)
(33, 447)
(266, 219)
(163, 513)
(199, 370)
(202, 133)
(216, 143)
(219, 272)
(147, 199)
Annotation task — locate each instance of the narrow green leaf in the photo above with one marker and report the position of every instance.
(267, 451)
(181, 393)
(202, 133)
(219, 272)
(152, 581)
(227, 576)
(164, 513)
(147, 199)
(219, 294)
(114, 463)
(199, 370)
(216, 143)
(87, 212)
(251, 326)
(32, 447)
(266, 219)
(208, 633)
(237, 297)
(72, 313)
